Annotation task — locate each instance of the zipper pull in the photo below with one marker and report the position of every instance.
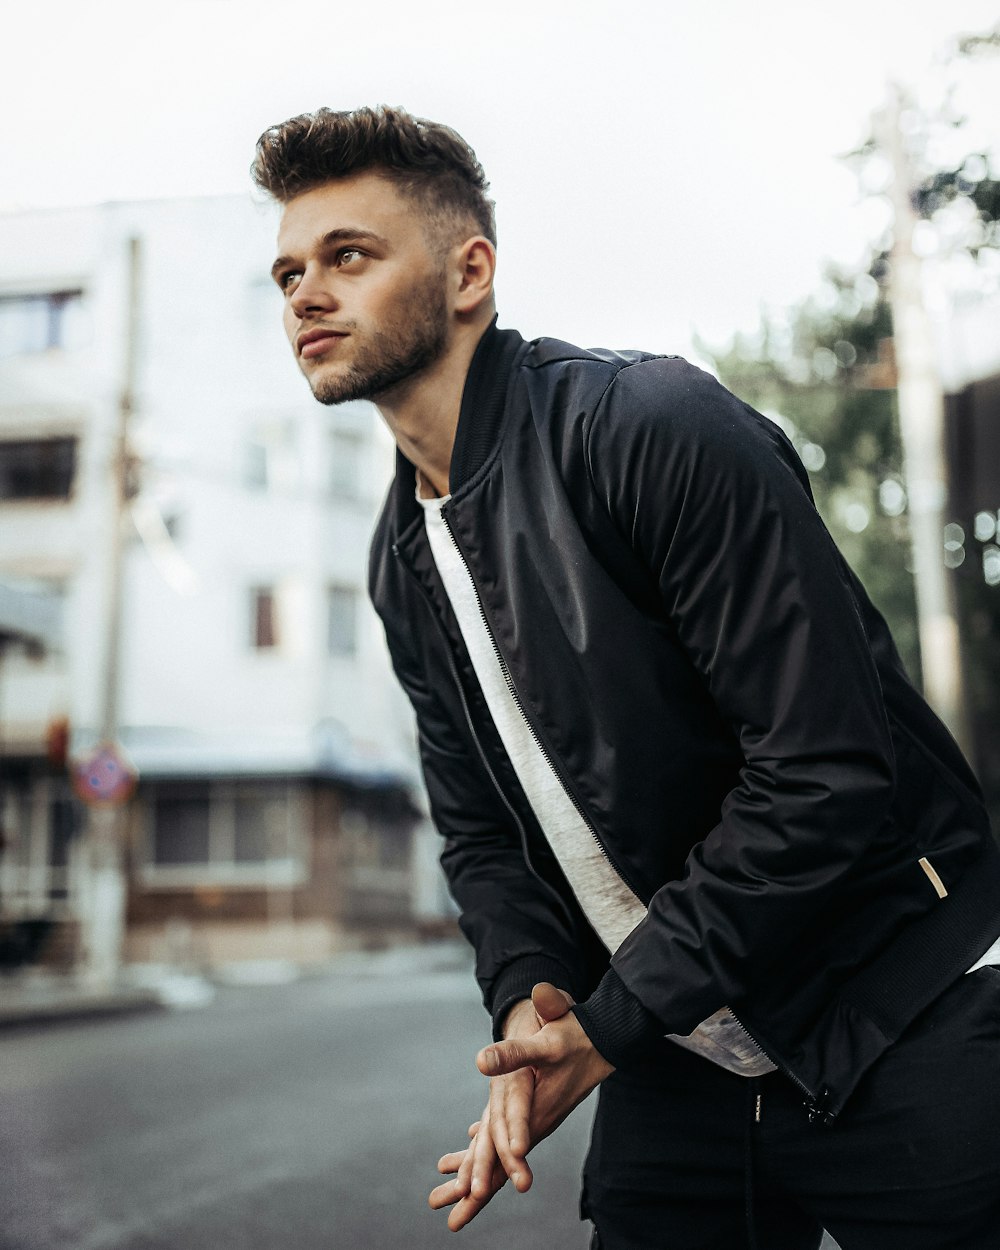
(818, 1108)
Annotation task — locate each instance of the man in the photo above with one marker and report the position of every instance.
(714, 853)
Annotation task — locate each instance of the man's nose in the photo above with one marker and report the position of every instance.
(312, 294)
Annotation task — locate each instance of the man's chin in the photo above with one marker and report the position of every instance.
(339, 390)
(352, 385)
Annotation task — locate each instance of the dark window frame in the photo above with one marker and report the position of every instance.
(34, 470)
(265, 618)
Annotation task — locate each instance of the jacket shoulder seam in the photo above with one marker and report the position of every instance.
(592, 420)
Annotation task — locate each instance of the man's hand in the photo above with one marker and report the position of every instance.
(545, 1066)
(458, 1193)
(561, 1056)
(512, 1091)
(480, 1172)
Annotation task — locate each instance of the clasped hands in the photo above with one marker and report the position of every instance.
(543, 1068)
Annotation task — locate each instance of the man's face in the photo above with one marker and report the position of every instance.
(365, 296)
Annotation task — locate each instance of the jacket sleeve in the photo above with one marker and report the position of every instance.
(714, 500)
(518, 925)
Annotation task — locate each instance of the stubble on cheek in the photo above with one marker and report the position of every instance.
(412, 339)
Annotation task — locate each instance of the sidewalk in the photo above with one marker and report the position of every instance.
(34, 997)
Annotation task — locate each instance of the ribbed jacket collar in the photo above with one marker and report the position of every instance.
(483, 402)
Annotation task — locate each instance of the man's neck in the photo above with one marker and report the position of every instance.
(422, 415)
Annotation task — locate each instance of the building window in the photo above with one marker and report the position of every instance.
(260, 825)
(64, 824)
(255, 465)
(39, 821)
(40, 322)
(342, 620)
(263, 618)
(346, 448)
(224, 831)
(270, 459)
(376, 840)
(180, 825)
(37, 468)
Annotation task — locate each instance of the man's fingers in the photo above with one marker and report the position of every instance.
(484, 1160)
(517, 1099)
(510, 1106)
(514, 1165)
(549, 1002)
(461, 1186)
(468, 1208)
(504, 1057)
(444, 1195)
(450, 1163)
(463, 1212)
(452, 1194)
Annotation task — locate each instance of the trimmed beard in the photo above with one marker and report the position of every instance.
(411, 340)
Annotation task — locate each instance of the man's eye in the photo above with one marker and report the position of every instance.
(348, 255)
(287, 280)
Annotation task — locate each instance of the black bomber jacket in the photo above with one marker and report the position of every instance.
(720, 699)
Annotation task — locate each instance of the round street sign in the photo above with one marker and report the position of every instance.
(105, 775)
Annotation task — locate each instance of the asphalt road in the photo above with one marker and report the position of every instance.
(288, 1117)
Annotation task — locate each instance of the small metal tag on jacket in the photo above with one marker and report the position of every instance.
(934, 879)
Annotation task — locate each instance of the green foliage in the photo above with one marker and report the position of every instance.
(971, 183)
(976, 45)
(821, 373)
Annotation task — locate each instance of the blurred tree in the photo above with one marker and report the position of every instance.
(824, 372)
(955, 187)
(969, 184)
(959, 199)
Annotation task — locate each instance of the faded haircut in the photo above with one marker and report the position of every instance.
(429, 162)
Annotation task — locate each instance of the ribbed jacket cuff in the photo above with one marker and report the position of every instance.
(518, 980)
(616, 1022)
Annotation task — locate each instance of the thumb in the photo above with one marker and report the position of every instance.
(549, 1002)
(503, 1057)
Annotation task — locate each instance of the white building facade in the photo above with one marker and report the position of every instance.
(253, 674)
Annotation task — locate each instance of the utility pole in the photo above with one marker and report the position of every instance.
(103, 910)
(921, 419)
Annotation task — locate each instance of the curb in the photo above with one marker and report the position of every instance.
(74, 1007)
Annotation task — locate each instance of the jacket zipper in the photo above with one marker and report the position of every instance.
(453, 668)
(816, 1105)
(542, 749)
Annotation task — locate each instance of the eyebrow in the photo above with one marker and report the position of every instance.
(345, 234)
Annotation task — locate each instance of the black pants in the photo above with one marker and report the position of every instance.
(686, 1156)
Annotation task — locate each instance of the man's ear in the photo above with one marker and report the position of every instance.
(474, 265)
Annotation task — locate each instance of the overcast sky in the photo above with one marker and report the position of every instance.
(658, 167)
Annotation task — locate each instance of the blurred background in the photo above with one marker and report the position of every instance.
(234, 1009)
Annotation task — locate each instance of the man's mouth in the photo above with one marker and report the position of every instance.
(316, 342)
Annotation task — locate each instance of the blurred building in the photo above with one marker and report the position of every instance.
(275, 814)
